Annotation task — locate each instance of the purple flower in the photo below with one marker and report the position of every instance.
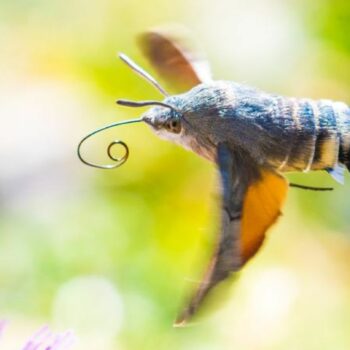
(45, 339)
(2, 327)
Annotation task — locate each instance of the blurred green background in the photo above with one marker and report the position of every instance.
(112, 254)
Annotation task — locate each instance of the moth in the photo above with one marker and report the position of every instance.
(253, 137)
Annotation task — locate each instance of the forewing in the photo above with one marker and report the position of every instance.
(174, 58)
(252, 200)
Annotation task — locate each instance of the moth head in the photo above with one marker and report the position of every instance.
(164, 119)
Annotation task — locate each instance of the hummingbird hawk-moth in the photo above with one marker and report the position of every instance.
(253, 137)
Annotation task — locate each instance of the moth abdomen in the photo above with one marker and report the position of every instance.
(302, 134)
(319, 134)
(326, 154)
(342, 112)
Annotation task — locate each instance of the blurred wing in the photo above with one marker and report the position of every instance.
(174, 60)
(252, 200)
(261, 209)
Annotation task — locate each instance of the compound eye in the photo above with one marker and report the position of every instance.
(173, 125)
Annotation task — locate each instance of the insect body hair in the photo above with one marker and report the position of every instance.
(321, 134)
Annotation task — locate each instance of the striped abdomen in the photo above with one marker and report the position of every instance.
(319, 134)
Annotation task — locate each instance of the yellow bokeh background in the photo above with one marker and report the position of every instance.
(112, 254)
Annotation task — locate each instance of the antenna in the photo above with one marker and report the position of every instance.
(136, 68)
(129, 103)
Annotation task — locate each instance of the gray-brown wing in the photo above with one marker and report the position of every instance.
(174, 58)
(252, 199)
